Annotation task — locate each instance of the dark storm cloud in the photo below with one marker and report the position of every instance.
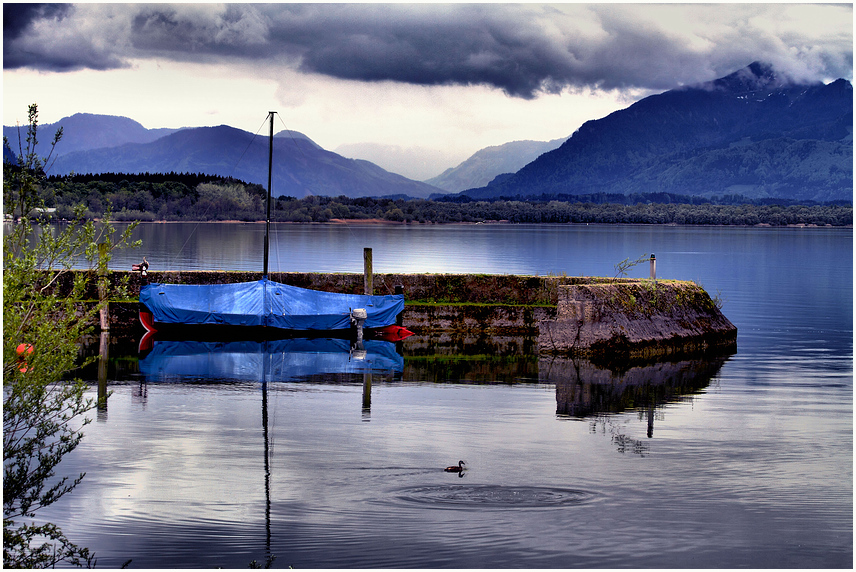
(17, 17)
(523, 49)
(463, 45)
(23, 23)
(237, 30)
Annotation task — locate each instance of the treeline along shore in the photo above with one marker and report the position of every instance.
(196, 197)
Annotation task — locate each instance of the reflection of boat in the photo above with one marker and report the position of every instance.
(269, 360)
(264, 303)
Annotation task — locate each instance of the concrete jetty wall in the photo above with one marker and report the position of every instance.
(578, 316)
(424, 288)
(635, 319)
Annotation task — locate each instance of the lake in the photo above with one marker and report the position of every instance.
(324, 458)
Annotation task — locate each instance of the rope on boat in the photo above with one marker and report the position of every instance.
(231, 173)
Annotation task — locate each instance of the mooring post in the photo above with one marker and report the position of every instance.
(367, 271)
(653, 267)
(103, 362)
(102, 286)
(399, 319)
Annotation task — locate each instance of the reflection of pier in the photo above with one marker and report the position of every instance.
(584, 389)
(587, 390)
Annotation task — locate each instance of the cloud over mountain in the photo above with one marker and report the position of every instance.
(522, 49)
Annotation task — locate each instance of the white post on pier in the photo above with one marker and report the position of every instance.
(653, 267)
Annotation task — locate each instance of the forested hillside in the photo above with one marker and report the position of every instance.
(199, 197)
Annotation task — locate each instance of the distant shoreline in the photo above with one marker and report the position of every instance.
(382, 222)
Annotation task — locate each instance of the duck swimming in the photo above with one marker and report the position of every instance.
(455, 468)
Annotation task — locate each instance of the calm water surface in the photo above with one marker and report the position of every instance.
(740, 461)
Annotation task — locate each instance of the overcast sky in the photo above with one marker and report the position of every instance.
(444, 80)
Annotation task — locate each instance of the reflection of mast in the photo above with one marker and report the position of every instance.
(267, 464)
(265, 357)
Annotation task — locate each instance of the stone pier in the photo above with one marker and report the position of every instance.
(635, 319)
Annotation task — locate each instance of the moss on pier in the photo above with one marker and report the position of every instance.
(635, 318)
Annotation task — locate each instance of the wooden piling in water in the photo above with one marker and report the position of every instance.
(367, 272)
(399, 320)
(103, 363)
(102, 287)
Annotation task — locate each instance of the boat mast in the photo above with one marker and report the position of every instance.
(267, 218)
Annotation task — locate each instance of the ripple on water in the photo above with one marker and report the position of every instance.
(489, 497)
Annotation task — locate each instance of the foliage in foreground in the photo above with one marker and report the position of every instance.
(44, 412)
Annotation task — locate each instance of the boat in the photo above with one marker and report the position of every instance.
(265, 308)
(252, 307)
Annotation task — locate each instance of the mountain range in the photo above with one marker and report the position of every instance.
(301, 167)
(86, 131)
(485, 165)
(752, 133)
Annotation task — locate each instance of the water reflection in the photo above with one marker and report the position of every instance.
(584, 389)
(269, 360)
(596, 391)
(266, 362)
(761, 475)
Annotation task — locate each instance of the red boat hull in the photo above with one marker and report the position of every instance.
(148, 321)
(391, 333)
(387, 333)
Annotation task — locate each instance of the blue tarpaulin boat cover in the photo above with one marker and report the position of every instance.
(265, 303)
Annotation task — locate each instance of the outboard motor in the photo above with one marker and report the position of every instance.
(358, 318)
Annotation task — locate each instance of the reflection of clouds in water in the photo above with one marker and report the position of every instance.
(572, 250)
(148, 458)
(759, 458)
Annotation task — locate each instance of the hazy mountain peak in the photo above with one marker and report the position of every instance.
(757, 76)
(296, 136)
(85, 131)
(80, 118)
(415, 162)
(484, 165)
